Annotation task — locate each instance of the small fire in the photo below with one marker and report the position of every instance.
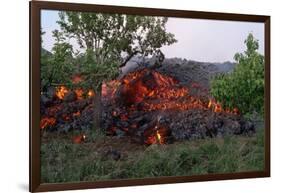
(158, 137)
(61, 92)
(210, 104)
(47, 121)
(217, 107)
(91, 93)
(79, 138)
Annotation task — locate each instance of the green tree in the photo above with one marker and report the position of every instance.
(111, 40)
(244, 87)
(56, 67)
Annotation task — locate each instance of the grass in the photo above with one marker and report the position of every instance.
(63, 161)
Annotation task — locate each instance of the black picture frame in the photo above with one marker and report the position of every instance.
(34, 99)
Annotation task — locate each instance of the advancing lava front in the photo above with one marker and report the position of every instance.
(145, 104)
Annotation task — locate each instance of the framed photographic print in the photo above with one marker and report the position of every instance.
(123, 96)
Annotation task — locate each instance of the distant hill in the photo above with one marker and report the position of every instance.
(225, 67)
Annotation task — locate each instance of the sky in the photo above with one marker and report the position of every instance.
(198, 39)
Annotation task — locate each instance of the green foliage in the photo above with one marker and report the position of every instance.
(110, 35)
(244, 87)
(56, 67)
(95, 73)
(110, 40)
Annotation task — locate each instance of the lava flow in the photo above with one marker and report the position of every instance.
(148, 90)
(155, 91)
(77, 100)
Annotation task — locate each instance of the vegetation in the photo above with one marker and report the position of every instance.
(109, 41)
(244, 87)
(63, 161)
(56, 67)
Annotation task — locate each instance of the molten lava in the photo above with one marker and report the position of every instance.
(47, 121)
(156, 91)
(148, 90)
(91, 93)
(61, 92)
(79, 138)
(79, 93)
(158, 136)
(53, 115)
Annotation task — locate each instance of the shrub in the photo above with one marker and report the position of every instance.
(244, 87)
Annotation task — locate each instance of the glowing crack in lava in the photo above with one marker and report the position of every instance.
(61, 92)
(47, 121)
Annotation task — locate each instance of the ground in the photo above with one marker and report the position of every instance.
(102, 157)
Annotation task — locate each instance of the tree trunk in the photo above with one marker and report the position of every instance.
(129, 58)
(97, 110)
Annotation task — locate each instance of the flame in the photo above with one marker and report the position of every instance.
(158, 136)
(217, 107)
(47, 121)
(79, 138)
(91, 93)
(155, 138)
(210, 104)
(61, 92)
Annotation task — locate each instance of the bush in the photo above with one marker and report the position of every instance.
(244, 87)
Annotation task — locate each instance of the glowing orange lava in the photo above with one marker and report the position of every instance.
(61, 92)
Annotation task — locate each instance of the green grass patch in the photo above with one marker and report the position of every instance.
(63, 161)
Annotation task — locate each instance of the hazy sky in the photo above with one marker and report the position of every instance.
(200, 40)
